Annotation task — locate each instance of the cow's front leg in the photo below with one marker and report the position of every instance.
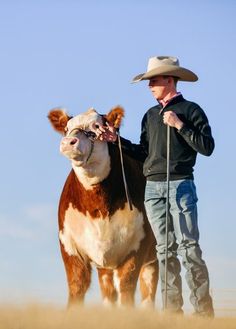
(108, 290)
(78, 273)
(125, 281)
(148, 283)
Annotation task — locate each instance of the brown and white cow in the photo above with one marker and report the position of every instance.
(96, 225)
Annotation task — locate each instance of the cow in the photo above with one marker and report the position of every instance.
(97, 228)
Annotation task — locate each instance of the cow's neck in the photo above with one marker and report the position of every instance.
(93, 172)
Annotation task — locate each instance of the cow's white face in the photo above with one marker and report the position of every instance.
(89, 156)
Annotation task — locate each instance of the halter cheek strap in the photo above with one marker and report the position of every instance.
(91, 150)
(91, 136)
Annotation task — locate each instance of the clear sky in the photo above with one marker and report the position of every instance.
(81, 54)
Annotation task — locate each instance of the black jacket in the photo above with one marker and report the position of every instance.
(195, 136)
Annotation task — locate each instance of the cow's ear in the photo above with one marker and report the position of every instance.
(115, 116)
(59, 118)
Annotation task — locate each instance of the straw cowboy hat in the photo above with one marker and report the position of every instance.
(166, 65)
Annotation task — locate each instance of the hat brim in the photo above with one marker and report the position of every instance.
(168, 70)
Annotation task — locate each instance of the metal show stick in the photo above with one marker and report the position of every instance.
(167, 212)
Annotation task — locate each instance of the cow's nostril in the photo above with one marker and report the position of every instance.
(73, 141)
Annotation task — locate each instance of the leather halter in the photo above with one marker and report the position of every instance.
(90, 135)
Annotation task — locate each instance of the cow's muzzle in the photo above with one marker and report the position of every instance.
(68, 143)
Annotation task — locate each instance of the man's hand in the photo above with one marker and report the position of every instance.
(172, 120)
(105, 133)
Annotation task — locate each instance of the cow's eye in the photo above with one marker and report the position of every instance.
(90, 134)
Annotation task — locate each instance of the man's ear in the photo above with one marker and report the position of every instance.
(58, 119)
(115, 116)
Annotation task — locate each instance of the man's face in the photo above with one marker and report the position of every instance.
(160, 86)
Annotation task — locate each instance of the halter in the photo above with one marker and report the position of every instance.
(91, 136)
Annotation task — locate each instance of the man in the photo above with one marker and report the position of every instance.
(190, 133)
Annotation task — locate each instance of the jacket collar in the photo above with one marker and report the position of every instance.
(175, 100)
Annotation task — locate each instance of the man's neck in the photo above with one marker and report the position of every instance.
(164, 101)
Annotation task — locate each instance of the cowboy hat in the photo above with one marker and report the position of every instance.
(165, 65)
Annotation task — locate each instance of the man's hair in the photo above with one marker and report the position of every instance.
(176, 79)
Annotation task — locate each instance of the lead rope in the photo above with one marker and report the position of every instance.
(123, 173)
(91, 149)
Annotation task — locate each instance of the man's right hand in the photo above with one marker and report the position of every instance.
(106, 133)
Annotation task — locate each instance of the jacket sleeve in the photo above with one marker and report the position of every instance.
(137, 151)
(198, 133)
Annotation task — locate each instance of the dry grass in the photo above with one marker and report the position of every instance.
(45, 317)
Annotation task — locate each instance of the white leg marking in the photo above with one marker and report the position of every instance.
(107, 303)
(147, 276)
(116, 280)
(104, 279)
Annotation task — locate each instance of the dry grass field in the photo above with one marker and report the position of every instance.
(49, 317)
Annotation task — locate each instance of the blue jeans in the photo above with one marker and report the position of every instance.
(183, 240)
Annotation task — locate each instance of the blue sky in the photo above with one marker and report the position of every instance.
(79, 54)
